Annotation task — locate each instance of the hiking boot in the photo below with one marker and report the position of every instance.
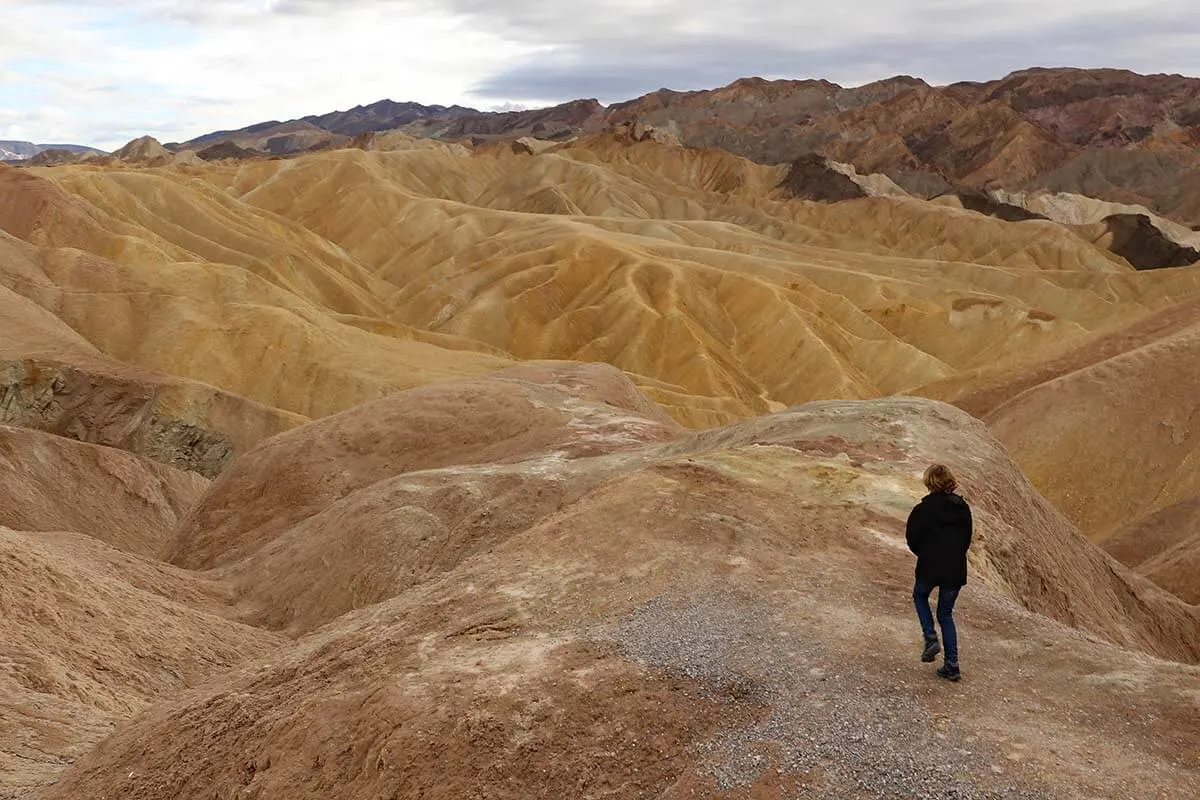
(932, 648)
(949, 672)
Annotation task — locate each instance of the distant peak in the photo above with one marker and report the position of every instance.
(144, 148)
(756, 82)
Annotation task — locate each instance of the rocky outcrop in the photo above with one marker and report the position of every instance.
(1139, 241)
(145, 150)
(381, 116)
(555, 122)
(292, 143)
(811, 177)
(641, 132)
(103, 409)
(55, 158)
(187, 158)
(529, 146)
(985, 203)
(1165, 182)
(227, 151)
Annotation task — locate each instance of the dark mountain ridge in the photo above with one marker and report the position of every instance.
(11, 150)
(1109, 133)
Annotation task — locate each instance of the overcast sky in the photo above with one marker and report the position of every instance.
(102, 72)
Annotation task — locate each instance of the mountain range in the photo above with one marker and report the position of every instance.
(569, 452)
(19, 151)
(1110, 134)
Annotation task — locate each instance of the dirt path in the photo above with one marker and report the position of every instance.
(848, 710)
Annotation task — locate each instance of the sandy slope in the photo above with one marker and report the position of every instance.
(118, 498)
(1106, 428)
(92, 636)
(681, 266)
(589, 608)
(1165, 547)
(52, 378)
(1114, 440)
(219, 323)
(1131, 384)
(95, 627)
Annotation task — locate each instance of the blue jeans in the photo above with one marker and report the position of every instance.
(945, 615)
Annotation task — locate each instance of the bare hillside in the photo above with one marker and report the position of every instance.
(625, 609)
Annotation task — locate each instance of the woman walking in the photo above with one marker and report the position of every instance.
(939, 534)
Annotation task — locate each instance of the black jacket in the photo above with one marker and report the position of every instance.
(939, 533)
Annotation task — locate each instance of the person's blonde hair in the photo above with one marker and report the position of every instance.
(939, 478)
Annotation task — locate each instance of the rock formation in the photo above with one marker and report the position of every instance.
(567, 566)
(226, 150)
(573, 458)
(55, 157)
(1136, 239)
(1108, 134)
(144, 150)
(811, 177)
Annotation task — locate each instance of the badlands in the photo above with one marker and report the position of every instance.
(432, 463)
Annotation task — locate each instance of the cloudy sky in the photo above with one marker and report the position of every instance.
(102, 72)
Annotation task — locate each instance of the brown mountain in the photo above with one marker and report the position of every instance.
(337, 127)
(1110, 134)
(1033, 129)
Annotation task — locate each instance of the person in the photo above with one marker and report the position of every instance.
(939, 533)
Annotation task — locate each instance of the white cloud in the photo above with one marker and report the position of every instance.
(604, 48)
(178, 68)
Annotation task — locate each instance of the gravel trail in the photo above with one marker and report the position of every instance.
(844, 727)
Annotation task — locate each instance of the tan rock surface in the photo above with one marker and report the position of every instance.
(143, 150)
(53, 379)
(95, 627)
(378, 271)
(1164, 546)
(92, 636)
(124, 501)
(720, 611)
(1106, 429)
(434, 427)
(215, 322)
(611, 285)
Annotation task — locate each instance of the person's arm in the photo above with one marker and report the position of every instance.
(913, 531)
(970, 528)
